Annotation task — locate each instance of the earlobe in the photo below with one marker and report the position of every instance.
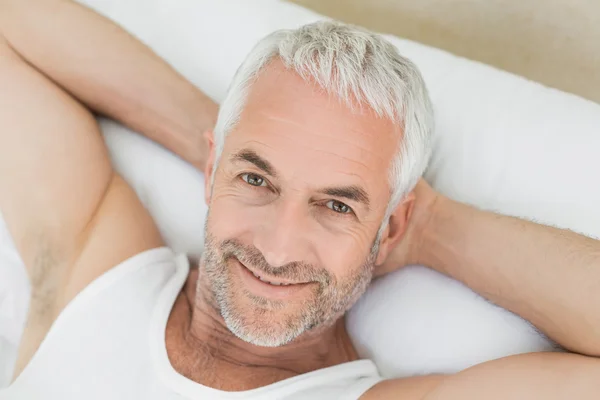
(383, 246)
(209, 167)
(397, 225)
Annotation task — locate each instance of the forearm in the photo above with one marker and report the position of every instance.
(549, 276)
(111, 72)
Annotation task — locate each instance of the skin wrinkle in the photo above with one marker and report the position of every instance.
(331, 102)
(328, 152)
(324, 136)
(225, 346)
(366, 207)
(360, 184)
(353, 193)
(284, 194)
(252, 257)
(348, 229)
(258, 144)
(300, 142)
(286, 230)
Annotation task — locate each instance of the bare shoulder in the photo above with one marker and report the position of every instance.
(545, 376)
(70, 215)
(120, 228)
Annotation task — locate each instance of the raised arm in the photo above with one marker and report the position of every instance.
(71, 216)
(111, 72)
(549, 276)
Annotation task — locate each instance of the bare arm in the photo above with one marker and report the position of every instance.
(73, 218)
(548, 376)
(111, 72)
(549, 276)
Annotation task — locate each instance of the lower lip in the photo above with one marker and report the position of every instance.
(266, 290)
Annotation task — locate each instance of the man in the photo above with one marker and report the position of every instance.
(300, 220)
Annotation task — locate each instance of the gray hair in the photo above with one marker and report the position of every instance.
(351, 63)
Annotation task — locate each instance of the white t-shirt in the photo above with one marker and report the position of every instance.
(109, 343)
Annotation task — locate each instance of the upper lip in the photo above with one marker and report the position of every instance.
(269, 278)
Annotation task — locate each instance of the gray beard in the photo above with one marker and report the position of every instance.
(255, 323)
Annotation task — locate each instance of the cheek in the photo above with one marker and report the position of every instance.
(231, 215)
(339, 247)
(344, 254)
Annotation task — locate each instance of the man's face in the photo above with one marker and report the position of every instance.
(298, 198)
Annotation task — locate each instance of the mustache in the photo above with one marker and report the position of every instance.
(295, 271)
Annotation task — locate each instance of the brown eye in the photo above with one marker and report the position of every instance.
(339, 207)
(254, 180)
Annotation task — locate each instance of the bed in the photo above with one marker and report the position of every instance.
(502, 143)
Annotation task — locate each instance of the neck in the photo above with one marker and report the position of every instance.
(197, 332)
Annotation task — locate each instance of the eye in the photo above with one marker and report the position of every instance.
(254, 180)
(339, 207)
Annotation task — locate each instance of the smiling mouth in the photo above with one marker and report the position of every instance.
(269, 282)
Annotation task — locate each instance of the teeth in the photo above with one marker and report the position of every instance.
(269, 282)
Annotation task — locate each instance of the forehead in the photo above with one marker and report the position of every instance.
(297, 125)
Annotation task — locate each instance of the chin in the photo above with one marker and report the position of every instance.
(266, 324)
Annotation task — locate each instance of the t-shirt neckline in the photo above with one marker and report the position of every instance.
(192, 390)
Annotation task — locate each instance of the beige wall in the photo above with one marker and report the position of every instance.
(556, 42)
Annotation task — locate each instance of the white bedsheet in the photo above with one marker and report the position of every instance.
(502, 143)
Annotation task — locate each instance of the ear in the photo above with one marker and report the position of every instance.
(209, 166)
(396, 228)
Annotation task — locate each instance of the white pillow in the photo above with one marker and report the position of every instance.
(502, 143)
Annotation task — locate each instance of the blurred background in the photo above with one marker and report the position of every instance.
(555, 42)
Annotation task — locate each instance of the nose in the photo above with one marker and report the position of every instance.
(282, 237)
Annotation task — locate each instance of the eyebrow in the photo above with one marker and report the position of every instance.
(250, 156)
(352, 192)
